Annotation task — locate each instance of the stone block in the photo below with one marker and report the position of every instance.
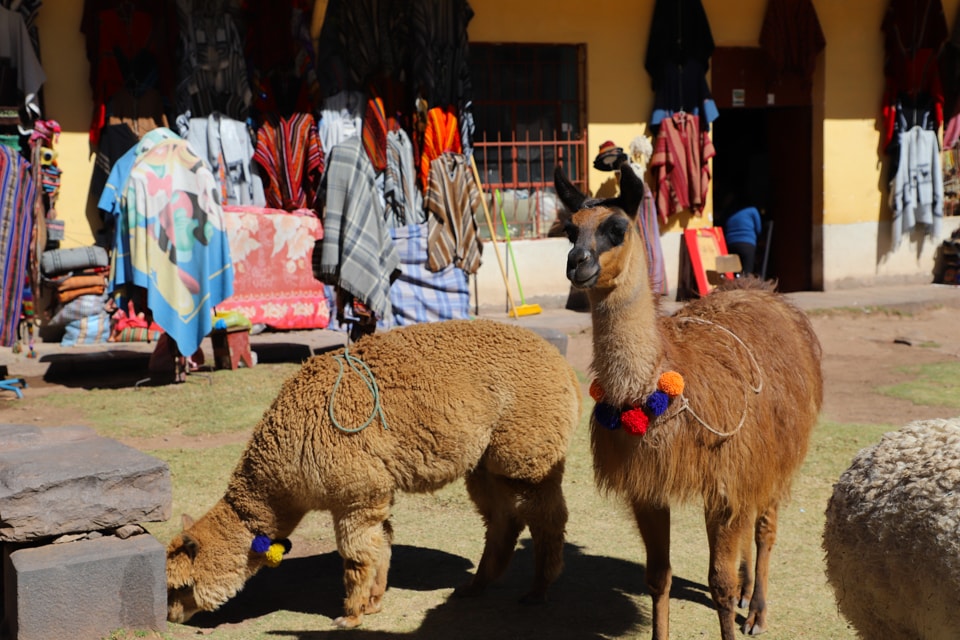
(553, 336)
(84, 590)
(57, 480)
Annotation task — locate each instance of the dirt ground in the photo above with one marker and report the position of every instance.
(862, 351)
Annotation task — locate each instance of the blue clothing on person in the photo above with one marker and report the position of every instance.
(742, 226)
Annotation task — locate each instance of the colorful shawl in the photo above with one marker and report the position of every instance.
(17, 193)
(357, 253)
(681, 163)
(451, 199)
(179, 250)
(442, 134)
(289, 151)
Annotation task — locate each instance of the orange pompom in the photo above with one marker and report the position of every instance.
(671, 383)
(596, 392)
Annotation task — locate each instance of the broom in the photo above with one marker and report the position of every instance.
(524, 309)
(514, 312)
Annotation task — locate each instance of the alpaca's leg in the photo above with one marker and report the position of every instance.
(362, 541)
(654, 525)
(543, 508)
(746, 567)
(766, 533)
(383, 568)
(496, 503)
(724, 534)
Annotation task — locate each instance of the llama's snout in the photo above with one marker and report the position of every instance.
(582, 268)
(181, 605)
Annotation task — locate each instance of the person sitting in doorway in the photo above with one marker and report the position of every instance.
(741, 228)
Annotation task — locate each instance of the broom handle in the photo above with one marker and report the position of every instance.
(506, 236)
(493, 233)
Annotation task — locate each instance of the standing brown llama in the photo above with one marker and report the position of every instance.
(716, 401)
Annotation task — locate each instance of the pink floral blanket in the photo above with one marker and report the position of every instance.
(272, 252)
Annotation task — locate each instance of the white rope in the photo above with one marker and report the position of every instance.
(757, 388)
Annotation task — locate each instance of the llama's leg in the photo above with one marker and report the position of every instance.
(724, 534)
(766, 533)
(496, 503)
(363, 543)
(654, 524)
(746, 567)
(383, 568)
(543, 508)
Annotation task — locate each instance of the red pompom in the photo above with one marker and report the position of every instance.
(596, 392)
(635, 421)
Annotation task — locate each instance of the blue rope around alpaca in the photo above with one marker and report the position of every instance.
(368, 379)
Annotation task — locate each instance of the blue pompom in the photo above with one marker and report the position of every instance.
(607, 415)
(260, 544)
(657, 403)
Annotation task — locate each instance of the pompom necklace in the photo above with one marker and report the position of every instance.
(635, 418)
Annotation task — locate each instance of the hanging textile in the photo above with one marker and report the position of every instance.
(213, 70)
(17, 50)
(681, 163)
(452, 197)
(280, 54)
(272, 253)
(402, 196)
(225, 144)
(916, 194)
(110, 200)
(17, 199)
(179, 252)
(650, 233)
(28, 10)
(340, 118)
(792, 39)
(357, 253)
(678, 57)
(129, 45)
(914, 31)
(441, 135)
(419, 294)
(288, 150)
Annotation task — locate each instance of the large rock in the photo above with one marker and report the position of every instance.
(84, 590)
(57, 480)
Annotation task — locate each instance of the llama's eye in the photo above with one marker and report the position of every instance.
(615, 229)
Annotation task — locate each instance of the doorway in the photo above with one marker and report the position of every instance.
(764, 145)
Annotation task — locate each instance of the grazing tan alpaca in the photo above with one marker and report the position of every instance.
(486, 401)
(729, 423)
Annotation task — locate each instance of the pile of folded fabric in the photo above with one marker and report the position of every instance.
(79, 279)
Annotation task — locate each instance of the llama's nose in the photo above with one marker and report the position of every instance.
(577, 257)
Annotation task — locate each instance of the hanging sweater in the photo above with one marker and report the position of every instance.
(917, 189)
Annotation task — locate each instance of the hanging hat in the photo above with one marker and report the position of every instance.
(610, 157)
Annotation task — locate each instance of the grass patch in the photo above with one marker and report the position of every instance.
(935, 384)
(212, 403)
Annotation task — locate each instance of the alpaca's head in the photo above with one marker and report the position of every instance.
(603, 232)
(204, 569)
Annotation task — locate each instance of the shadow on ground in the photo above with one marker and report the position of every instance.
(595, 597)
(122, 368)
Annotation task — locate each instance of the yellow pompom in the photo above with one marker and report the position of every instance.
(671, 383)
(596, 392)
(274, 554)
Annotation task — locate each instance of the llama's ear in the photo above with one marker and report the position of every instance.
(631, 190)
(187, 521)
(569, 195)
(191, 546)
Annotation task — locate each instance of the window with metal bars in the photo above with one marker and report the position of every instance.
(529, 112)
